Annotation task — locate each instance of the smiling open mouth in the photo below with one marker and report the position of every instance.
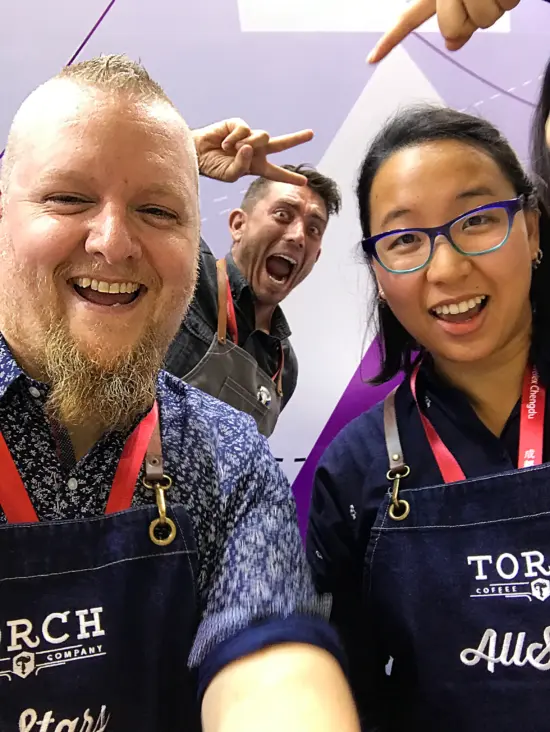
(460, 312)
(100, 292)
(279, 267)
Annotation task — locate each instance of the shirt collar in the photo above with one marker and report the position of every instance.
(239, 285)
(236, 278)
(9, 368)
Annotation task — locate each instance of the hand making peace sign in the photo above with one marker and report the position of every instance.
(229, 150)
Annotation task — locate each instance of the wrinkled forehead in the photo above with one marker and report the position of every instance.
(63, 125)
(302, 198)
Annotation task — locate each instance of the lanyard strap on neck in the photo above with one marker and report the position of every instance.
(144, 440)
(533, 404)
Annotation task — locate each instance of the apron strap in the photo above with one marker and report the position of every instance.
(154, 464)
(391, 432)
(221, 271)
(142, 447)
(279, 375)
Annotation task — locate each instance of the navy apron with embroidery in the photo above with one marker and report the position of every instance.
(96, 625)
(458, 593)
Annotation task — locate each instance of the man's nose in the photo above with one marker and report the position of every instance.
(112, 238)
(296, 232)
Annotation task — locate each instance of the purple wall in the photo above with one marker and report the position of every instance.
(286, 80)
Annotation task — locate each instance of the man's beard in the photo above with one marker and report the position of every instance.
(85, 390)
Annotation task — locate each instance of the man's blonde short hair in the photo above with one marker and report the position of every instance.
(116, 74)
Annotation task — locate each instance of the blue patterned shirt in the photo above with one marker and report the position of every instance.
(253, 581)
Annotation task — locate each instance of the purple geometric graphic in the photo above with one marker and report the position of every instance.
(358, 398)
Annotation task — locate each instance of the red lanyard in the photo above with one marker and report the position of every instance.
(531, 431)
(234, 331)
(15, 501)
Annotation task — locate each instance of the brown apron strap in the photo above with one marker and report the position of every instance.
(221, 269)
(393, 443)
(156, 480)
(280, 374)
(154, 464)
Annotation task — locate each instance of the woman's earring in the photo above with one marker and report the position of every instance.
(381, 298)
(538, 259)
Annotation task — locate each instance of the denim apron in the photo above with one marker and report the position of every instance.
(231, 374)
(457, 590)
(98, 616)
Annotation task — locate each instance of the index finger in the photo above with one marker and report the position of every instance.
(418, 13)
(285, 142)
(280, 175)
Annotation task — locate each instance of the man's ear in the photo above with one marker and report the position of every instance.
(318, 255)
(237, 224)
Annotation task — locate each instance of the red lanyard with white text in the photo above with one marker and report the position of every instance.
(531, 431)
(15, 501)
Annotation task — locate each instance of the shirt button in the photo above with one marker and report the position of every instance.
(33, 391)
(72, 484)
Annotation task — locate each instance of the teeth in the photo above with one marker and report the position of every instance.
(111, 287)
(293, 262)
(460, 307)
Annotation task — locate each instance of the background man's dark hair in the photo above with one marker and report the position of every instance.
(320, 184)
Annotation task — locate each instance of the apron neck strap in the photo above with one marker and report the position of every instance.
(278, 377)
(221, 272)
(154, 464)
(391, 432)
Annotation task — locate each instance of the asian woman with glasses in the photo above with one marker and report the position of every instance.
(430, 519)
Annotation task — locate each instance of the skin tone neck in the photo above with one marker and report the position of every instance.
(264, 315)
(493, 386)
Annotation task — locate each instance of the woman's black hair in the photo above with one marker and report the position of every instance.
(426, 123)
(540, 154)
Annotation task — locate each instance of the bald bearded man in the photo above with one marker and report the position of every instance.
(151, 562)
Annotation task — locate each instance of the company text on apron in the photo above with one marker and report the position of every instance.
(98, 616)
(457, 588)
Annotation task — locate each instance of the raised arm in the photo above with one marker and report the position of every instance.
(268, 659)
(287, 688)
(458, 21)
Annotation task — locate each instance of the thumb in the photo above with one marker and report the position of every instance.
(457, 43)
(241, 163)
